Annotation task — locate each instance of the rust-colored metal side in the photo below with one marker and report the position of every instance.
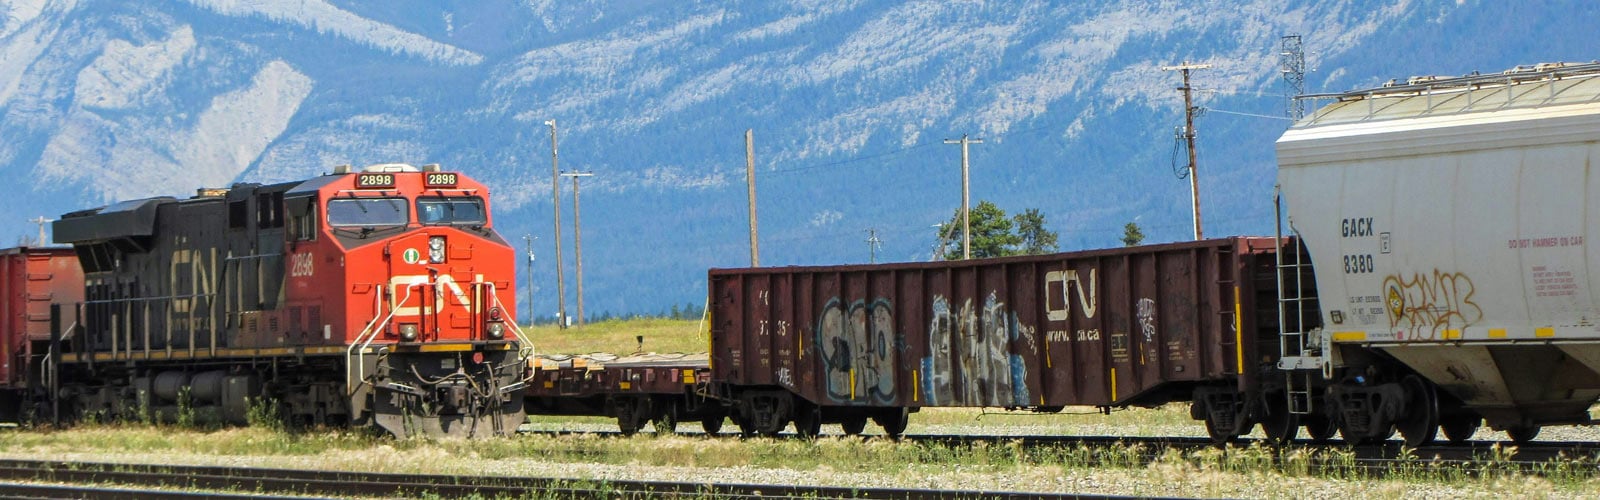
(33, 279)
(1115, 327)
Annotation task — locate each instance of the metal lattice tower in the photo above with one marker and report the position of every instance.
(1292, 63)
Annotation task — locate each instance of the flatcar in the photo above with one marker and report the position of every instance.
(375, 297)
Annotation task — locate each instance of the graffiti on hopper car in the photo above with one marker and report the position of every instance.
(970, 359)
(858, 348)
(1423, 306)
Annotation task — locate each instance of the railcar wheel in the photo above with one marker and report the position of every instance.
(746, 428)
(1221, 434)
(712, 425)
(808, 421)
(1459, 429)
(853, 426)
(1320, 428)
(1523, 433)
(1280, 426)
(1421, 424)
(893, 421)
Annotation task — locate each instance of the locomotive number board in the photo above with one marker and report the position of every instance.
(373, 180)
(439, 179)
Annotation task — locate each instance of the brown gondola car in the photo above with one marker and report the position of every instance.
(31, 280)
(1138, 326)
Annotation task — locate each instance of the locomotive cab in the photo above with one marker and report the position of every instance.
(422, 277)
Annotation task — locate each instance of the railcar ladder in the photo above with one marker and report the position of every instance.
(1300, 353)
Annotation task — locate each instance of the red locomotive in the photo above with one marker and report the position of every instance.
(380, 297)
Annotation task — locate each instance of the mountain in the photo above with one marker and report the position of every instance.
(850, 102)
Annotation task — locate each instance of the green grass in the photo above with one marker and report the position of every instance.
(618, 337)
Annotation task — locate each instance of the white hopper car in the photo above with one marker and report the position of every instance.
(1450, 223)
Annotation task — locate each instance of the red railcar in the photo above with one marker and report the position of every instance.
(1134, 326)
(31, 280)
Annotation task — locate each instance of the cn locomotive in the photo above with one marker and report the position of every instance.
(377, 297)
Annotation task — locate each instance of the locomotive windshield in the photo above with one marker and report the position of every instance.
(367, 212)
(455, 210)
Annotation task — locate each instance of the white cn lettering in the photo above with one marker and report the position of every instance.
(1067, 279)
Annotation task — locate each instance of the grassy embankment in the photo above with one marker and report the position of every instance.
(618, 337)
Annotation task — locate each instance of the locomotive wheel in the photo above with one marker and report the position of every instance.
(1459, 429)
(1319, 427)
(808, 421)
(1421, 425)
(1280, 426)
(1523, 433)
(712, 425)
(853, 426)
(893, 421)
(666, 422)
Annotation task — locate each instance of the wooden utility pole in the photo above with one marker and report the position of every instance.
(555, 201)
(577, 236)
(1189, 135)
(966, 225)
(750, 181)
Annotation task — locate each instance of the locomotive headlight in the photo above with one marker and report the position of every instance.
(436, 249)
(496, 330)
(408, 332)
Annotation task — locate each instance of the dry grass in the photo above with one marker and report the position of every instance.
(1237, 473)
(618, 337)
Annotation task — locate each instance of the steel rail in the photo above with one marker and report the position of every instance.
(260, 481)
(1472, 458)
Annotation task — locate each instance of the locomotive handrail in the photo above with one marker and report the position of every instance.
(358, 348)
(49, 357)
(525, 349)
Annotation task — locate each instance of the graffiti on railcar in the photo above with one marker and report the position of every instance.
(858, 348)
(974, 347)
(1423, 306)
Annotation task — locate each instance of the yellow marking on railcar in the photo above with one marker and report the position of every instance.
(1452, 334)
(549, 384)
(624, 385)
(1497, 333)
(1047, 351)
(1349, 336)
(1544, 332)
(1113, 385)
(688, 376)
(852, 383)
(1238, 330)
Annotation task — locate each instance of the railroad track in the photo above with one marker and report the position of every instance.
(1378, 460)
(20, 478)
